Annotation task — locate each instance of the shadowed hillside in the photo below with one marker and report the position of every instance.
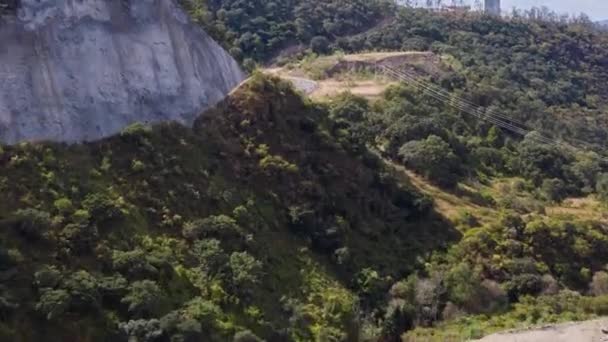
(258, 219)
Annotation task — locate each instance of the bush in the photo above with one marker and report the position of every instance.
(523, 284)
(64, 205)
(433, 158)
(220, 226)
(599, 284)
(246, 336)
(554, 189)
(399, 318)
(320, 45)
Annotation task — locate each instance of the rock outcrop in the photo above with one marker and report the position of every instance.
(79, 70)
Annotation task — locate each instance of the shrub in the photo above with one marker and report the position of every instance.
(137, 166)
(523, 284)
(220, 226)
(599, 284)
(136, 129)
(277, 163)
(63, 205)
(399, 318)
(464, 287)
(246, 336)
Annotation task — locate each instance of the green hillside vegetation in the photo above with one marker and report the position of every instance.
(514, 247)
(260, 221)
(546, 73)
(255, 31)
(278, 219)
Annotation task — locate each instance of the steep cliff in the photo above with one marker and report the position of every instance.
(82, 70)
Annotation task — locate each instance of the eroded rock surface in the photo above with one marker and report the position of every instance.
(73, 70)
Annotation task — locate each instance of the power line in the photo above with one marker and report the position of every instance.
(501, 120)
(457, 103)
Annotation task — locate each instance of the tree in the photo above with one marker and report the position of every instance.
(143, 298)
(319, 44)
(102, 207)
(554, 189)
(245, 270)
(53, 303)
(83, 290)
(32, 223)
(433, 158)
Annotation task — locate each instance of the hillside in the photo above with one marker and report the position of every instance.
(407, 213)
(257, 219)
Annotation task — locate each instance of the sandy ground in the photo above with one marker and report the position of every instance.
(589, 331)
(323, 89)
(327, 88)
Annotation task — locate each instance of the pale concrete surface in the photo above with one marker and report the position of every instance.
(590, 331)
(74, 70)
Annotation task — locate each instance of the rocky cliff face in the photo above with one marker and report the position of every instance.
(73, 70)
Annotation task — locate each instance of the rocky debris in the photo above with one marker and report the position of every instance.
(82, 70)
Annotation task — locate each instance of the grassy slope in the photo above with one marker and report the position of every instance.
(260, 157)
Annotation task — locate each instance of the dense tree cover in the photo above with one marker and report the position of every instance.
(535, 67)
(547, 74)
(257, 30)
(495, 264)
(206, 240)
